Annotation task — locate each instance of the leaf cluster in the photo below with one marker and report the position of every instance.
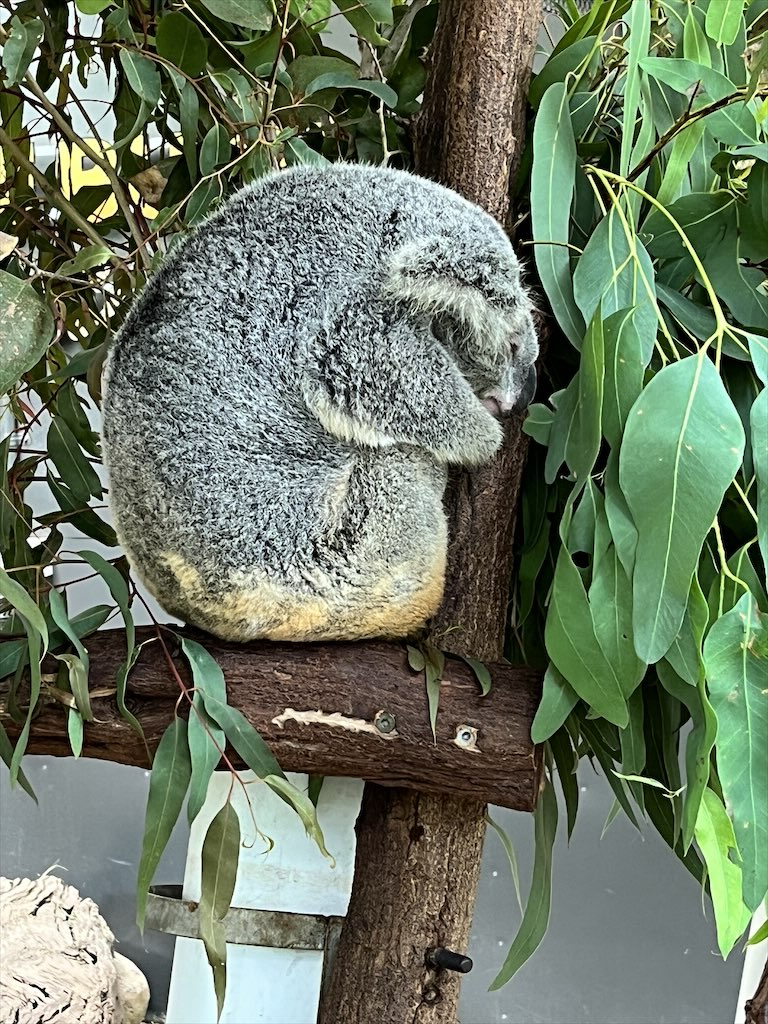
(645, 507)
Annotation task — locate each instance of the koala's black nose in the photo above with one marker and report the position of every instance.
(528, 391)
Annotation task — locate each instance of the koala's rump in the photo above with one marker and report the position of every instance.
(345, 546)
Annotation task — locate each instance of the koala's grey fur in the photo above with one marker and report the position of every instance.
(284, 397)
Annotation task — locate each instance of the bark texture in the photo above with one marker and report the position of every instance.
(317, 705)
(418, 856)
(757, 1007)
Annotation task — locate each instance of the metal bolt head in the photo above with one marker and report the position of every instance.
(385, 721)
(466, 736)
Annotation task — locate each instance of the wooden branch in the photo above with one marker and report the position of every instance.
(317, 706)
(418, 856)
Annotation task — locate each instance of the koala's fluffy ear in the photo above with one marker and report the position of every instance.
(476, 281)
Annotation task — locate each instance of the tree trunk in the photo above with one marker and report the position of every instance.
(418, 856)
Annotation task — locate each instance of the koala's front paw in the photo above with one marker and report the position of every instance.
(476, 441)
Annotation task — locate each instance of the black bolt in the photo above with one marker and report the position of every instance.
(447, 960)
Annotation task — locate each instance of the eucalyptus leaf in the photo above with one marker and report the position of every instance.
(220, 858)
(206, 740)
(723, 21)
(714, 834)
(682, 447)
(248, 13)
(552, 189)
(20, 46)
(182, 43)
(168, 785)
(27, 328)
(558, 699)
(736, 660)
(142, 75)
(759, 426)
(536, 917)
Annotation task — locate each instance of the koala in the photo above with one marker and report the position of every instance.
(284, 398)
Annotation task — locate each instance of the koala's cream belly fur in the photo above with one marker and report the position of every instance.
(255, 607)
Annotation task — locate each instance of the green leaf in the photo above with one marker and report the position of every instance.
(35, 683)
(78, 514)
(181, 42)
(538, 423)
(92, 6)
(566, 762)
(215, 150)
(298, 152)
(314, 788)
(753, 216)
(434, 668)
(19, 48)
(201, 200)
(552, 188)
(760, 935)
(11, 653)
(610, 601)
(639, 24)
(78, 667)
(416, 659)
(313, 13)
(88, 257)
(558, 699)
(758, 349)
(559, 67)
(723, 22)
(625, 355)
(695, 45)
(620, 521)
(682, 447)
(714, 834)
(206, 740)
(247, 13)
(582, 444)
(698, 745)
(736, 661)
(168, 784)
(734, 124)
(189, 111)
(27, 328)
(119, 591)
(536, 917)
(243, 737)
(616, 271)
(509, 849)
(702, 216)
(684, 655)
(482, 674)
(366, 15)
(19, 599)
(348, 80)
(759, 425)
(303, 806)
(573, 646)
(6, 753)
(143, 76)
(72, 464)
(220, 857)
(739, 286)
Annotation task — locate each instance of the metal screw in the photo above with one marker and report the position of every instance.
(447, 960)
(466, 736)
(385, 721)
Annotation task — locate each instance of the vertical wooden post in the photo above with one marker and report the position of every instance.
(418, 856)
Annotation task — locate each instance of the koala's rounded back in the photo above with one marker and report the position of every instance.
(284, 396)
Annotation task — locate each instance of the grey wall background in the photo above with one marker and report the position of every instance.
(628, 942)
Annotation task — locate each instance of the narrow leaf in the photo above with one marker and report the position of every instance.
(536, 917)
(168, 784)
(736, 661)
(220, 857)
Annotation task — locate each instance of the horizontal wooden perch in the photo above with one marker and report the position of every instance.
(353, 709)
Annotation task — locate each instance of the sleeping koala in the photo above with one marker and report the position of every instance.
(284, 398)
